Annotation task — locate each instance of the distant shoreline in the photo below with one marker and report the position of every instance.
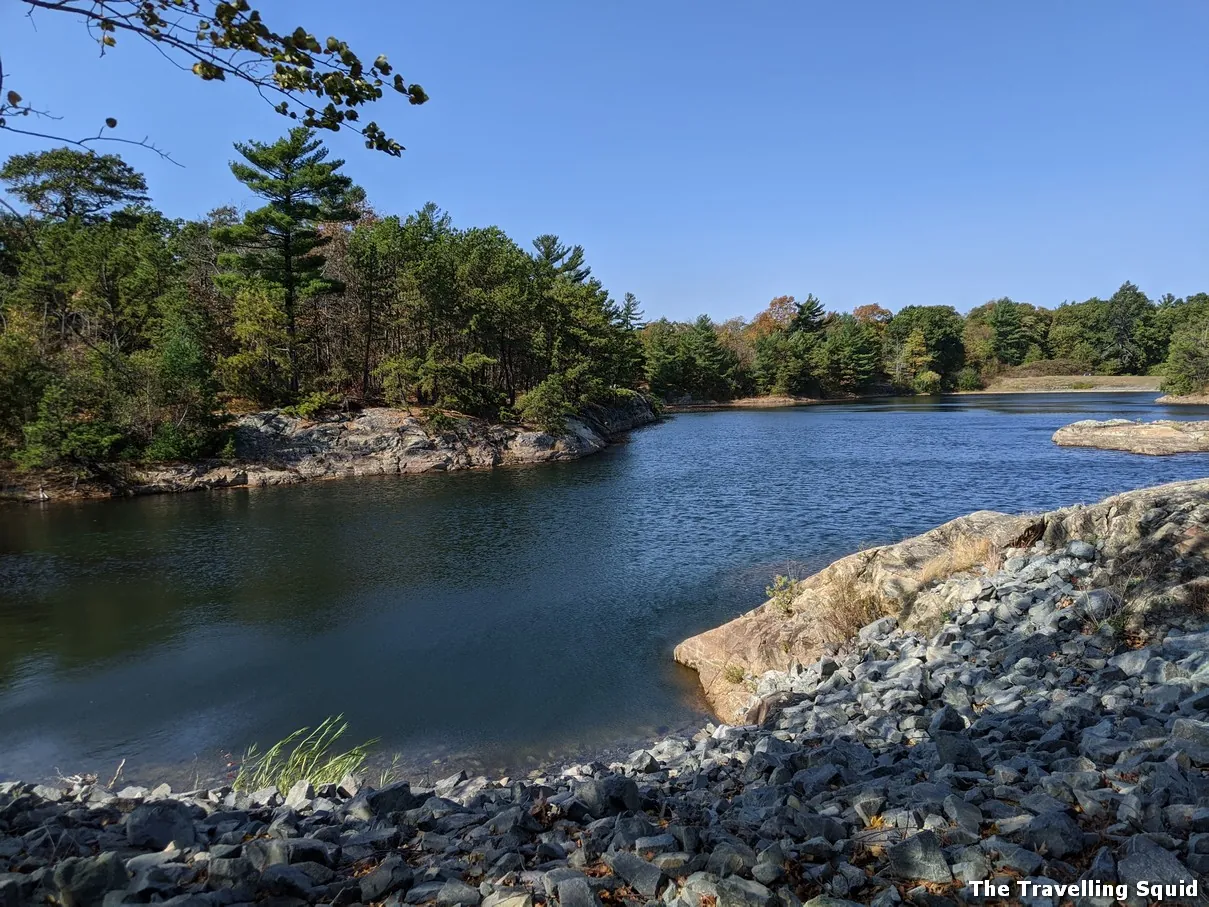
(1065, 384)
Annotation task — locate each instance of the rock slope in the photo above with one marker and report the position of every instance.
(1159, 438)
(907, 580)
(1029, 737)
(272, 448)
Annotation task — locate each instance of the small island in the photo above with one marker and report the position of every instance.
(1160, 438)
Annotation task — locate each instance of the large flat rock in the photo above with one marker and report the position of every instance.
(1160, 438)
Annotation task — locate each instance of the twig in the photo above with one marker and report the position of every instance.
(117, 774)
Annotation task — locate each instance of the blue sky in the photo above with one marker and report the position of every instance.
(713, 155)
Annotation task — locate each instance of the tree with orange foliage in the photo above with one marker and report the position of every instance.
(873, 314)
(776, 317)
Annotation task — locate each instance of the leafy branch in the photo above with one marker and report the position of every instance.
(321, 85)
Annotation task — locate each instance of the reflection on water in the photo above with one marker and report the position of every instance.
(509, 615)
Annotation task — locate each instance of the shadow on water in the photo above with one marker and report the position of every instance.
(495, 618)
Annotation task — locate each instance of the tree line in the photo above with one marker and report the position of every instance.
(797, 348)
(127, 335)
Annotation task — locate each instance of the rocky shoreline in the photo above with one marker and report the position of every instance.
(1184, 399)
(272, 448)
(1160, 438)
(1037, 718)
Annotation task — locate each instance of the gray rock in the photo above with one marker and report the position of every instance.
(300, 795)
(577, 893)
(391, 875)
(230, 873)
(1191, 730)
(508, 898)
(372, 804)
(652, 845)
(920, 857)
(286, 881)
(84, 881)
(957, 750)
(736, 892)
(1141, 860)
(963, 813)
(608, 796)
(1054, 834)
(643, 762)
(1013, 856)
(643, 877)
(1131, 663)
(729, 858)
(157, 824)
(456, 892)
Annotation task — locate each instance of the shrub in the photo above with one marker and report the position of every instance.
(174, 442)
(927, 382)
(311, 405)
(782, 593)
(547, 406)
(65, 431)
(968, 379)
(733, 674)
(438, 420)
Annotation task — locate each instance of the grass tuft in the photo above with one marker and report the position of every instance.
(850, 605)
(733, 674)
(305, 755)
(964, 553)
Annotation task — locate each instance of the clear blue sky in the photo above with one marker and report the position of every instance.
(712, 155)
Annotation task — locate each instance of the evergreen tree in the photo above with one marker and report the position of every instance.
(848, 355)
(1009, 341)
(280, 244)
(809, 315)
(63, 183)
(566, 261)
(1186, 370)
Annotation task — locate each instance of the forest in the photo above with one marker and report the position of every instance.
(129, 336)
(798, 349)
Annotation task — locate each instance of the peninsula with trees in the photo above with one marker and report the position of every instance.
(129, 339)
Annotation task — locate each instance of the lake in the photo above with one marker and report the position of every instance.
(488, 620)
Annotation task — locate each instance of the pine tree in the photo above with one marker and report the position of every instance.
(63, 183)
(1009, 340)
(279, 245)
(809, 315)
(567, 261)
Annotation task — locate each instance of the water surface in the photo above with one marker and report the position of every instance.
(500, 617)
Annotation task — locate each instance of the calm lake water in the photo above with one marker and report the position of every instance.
(491, 618)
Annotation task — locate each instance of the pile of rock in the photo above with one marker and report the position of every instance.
(1030, 735)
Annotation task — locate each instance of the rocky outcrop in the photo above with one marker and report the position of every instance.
(1027, 738)
(1184, 399)
(1158, 438)
(272, 448)
(907, 580)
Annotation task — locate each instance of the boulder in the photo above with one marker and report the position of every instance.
(157, 824)
(1159, 438)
